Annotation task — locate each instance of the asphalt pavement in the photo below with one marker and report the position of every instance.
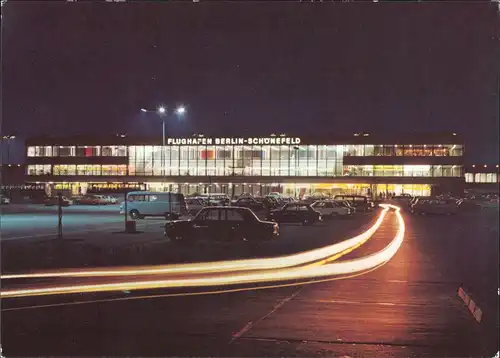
(406, 308)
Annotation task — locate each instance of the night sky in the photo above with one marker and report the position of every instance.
(253, 68)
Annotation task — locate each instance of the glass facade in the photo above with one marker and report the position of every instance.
(253, 160)
(403, 170)
(239, 160)
(481, 177)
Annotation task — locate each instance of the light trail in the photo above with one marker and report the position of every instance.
(313, 256)
(276, 275)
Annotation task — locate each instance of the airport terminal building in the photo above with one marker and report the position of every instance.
(355, 164)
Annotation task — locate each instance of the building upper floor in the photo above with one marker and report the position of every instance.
(201, 147)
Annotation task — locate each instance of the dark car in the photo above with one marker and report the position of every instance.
(222, 223)
(295, 213)
(54, 200)
(359, 202)
(248, 202)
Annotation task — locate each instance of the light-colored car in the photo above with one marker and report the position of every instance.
(331, 208)
(146, 203)
(346, 204)
(110, 199)
(4, 200)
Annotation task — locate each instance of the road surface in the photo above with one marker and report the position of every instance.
(408, 307)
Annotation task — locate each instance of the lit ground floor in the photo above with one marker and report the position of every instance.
(297, 187)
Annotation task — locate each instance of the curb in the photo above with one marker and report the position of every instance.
(471, 305)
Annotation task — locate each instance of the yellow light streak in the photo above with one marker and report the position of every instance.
(220, 266)
(287, 274)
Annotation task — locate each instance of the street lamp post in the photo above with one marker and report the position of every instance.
(162, 113)
(8, 138)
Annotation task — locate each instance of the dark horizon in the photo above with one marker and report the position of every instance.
(323, 68)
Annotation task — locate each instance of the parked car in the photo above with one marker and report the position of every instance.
(295, 213)
(109, 199)
(54, 200)
(215, 199)
(331, 208)
(248, 202)
(360, 202)
(149, 203)
(91, 200)
(222, 223)
(434, 206)
(194, 205)
(346, 204)
(4, 200)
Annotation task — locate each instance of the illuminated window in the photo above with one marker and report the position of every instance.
(114, 151)
(88, 170)
(64, 151)
(469, 177)
(88, 151)
(38, 169)
(31, 151)
(113, 170)
(64, 169)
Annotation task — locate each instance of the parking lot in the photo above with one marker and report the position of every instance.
(94, 234)
(415, 292)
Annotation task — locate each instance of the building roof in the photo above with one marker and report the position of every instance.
(359, 138)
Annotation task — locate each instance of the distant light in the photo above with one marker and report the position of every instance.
(454, 134)
(180, 110)
(366, 134)
(473, 165)
(144, 110)
(161, 110)
(485, 165)
(497, 165)
(356, 134)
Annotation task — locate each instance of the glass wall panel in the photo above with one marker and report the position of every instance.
(312, 169)
(427, 150)
(88, 151)
(64, 151)
(64, 169)
(447, 170)
(132, 160)
(156, 159)
(40, 151)
(266, 160)
(247, 158)
(479, 177)
(184, 167)
(257, 155)
(114, 151)
(378, 150)
(417, 171)
(210, 159)
(491, 177)
(114, 170)
(88, 169)
(275, 160)
(302, 160)
(408, 150)
(140, 164)
(331, 161)
(284, 167)
(38, 169)
(31, 152)
(193, 159)
(457, 150)
(456, 170)
(399, 150)
(437, 171)
(369, 150)
(173, 160)
(322, 168)
(354, 150)
(442, 150)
